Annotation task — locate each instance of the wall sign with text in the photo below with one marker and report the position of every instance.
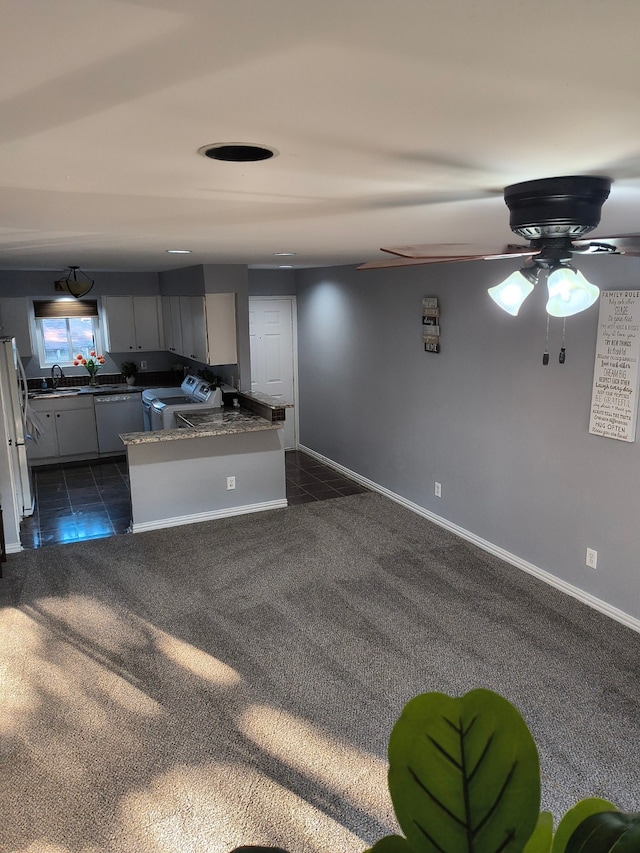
(614, 399)
(431, 324)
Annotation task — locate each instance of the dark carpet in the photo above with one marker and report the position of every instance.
(235, 682)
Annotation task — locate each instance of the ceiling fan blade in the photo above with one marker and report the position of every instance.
(625, 244)
(408, 262)
(451, 251)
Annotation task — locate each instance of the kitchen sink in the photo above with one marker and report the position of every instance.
(58, 392)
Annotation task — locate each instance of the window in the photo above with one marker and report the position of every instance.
(64, 329)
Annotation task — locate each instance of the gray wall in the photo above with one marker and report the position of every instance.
(272, 283)
(40, 283)
(506, 437)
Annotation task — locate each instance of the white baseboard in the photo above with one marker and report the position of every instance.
(513, 559)
(195, 518)
(13, 547)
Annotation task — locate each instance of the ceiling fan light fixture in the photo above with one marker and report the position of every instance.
(72, 284)
(511, 293)
(569, 292)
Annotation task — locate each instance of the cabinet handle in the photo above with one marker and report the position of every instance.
(57, 414)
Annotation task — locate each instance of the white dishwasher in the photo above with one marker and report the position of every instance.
(116, 413)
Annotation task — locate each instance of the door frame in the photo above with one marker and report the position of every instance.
(294, 355)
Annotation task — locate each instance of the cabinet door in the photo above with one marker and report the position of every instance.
(47, 444)
(176, 330)
(146, 316)
(14, 322)
(221, 328)
(186, 327)
(76, 431)
(121, 324)
(166, 324)
(69, 428)
(199, 329)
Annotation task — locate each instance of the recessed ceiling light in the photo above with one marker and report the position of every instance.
(285, 266)
(178, 251)
(237, 152)
(284, 254)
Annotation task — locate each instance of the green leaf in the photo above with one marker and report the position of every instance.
(391, 844)
(464, 775)
(542, 838)
(606, 831)
(574, 817)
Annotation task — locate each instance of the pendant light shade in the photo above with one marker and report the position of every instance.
(73, 284)
(512, 292)
(569, 292)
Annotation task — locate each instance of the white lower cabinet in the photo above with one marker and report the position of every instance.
(69, 428)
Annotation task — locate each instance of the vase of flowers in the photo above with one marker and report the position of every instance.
(92, 364)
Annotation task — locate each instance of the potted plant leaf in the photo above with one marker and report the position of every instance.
(464, 777)
(129, 370)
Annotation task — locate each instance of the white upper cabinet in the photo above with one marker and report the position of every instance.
(171, 324)
(207, 327)
(186, 326)
(193, 325)
(220, 316)
(201, 328)
(14, 322)
(133, 323)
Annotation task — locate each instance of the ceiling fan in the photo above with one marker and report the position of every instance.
(553, 215)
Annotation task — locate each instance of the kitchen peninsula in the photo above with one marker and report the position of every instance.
(215, 464)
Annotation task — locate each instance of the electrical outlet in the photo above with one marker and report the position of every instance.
(143, 364)
(438, 490)
(231, 483)
(592, 558)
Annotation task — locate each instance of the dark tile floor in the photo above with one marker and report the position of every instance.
(77, 501)
(310, 480)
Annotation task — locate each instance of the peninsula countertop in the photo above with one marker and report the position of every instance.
(198, 424)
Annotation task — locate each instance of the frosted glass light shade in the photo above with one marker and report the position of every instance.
(569, 292)
(512, 292)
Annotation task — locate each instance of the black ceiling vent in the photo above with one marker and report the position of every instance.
(556, 207)
(237, 152)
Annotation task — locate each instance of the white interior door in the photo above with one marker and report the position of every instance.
(272, 342)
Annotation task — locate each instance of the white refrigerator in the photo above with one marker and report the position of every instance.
(16, 493)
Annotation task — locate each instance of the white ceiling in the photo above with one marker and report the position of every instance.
(396, 121)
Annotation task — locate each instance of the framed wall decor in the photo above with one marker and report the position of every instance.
(431, 324)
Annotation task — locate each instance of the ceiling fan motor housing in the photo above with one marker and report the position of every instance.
(556, 207)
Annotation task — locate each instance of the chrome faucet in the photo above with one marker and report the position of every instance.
(56, 376)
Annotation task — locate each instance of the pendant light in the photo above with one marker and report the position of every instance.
(73, 285)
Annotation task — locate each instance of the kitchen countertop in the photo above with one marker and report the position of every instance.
(122, 388)
(265, 399)
(198, 424)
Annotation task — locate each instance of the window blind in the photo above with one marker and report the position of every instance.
(65, 308)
